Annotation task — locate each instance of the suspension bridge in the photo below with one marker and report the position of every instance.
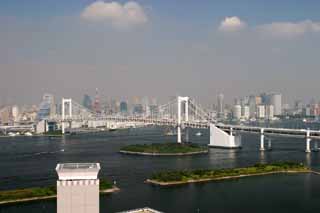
(180, 113)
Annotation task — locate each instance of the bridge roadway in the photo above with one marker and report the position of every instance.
(298, 133)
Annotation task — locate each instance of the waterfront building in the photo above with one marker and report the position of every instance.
(236, 112)
(78, 187)
(5, 116)
(276, 101)
(260, 111)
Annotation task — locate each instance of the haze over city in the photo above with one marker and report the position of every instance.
(159, 49)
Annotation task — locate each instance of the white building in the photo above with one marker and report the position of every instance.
(261, 111)
(246, 112)
(276, 101)
(78, 188)
(269, 112)
(236, 112)
(223, 139)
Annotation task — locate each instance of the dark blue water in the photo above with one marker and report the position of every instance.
(28, 162)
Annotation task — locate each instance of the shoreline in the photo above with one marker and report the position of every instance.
(163, 154)
(22, 200)
(174, 183)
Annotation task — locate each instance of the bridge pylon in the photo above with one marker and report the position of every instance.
(186, 115)
(64, 102)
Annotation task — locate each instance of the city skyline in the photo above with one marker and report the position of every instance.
(165, 49)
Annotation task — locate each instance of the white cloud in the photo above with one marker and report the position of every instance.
(289, 29)
(232, 24)
(119, 15)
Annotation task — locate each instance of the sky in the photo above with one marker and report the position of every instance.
(159, 48)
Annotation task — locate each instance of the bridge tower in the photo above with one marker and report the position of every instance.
(65, 101)
(186, 114)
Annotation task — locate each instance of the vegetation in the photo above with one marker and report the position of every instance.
(54, 133)
(29, 193)
(172, 176)
(164, 148)
(105, 184)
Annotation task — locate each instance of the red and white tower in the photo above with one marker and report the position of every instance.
(96, 103)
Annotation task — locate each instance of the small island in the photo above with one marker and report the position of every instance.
(43, 193)
(204, 175)
(164, 149)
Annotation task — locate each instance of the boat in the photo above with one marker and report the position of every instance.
(11, 134)
(198, 134)
(112, 128)
(28, 134)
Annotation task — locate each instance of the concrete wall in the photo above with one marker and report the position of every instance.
(222, 139)
(78, 196)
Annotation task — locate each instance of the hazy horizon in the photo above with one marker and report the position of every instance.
(159, 49)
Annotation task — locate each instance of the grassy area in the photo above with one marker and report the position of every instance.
(164, 148)
(185, 175)
(27, 193)
(38, 192)
(54, 133)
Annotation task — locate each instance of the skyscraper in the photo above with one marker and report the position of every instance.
(96, 104)
(220, 106)
(87, 101)
(123, 107)
(47, 107)
(276, 101)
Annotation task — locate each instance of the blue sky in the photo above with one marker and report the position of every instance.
(196, 48)
(258, 11)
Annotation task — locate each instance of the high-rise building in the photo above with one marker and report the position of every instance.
(220, 106)
(15, 113)
(252, 106)
(258, 100)
(236, 112)
(261, 111)
(47, 107)
(269, 112)
(78, 187)
(123, 107)
(246, 112)
(96, 103)
(87, 102)
(276, 101)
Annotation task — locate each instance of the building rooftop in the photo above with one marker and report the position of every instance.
(142, 210)
(78, 171)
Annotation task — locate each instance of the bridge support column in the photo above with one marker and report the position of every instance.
(187, 134)
(179, 134)
(308, 139)
(262, 139)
